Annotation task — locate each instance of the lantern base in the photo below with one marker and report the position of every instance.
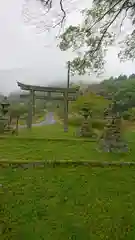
(113, 146)
(86, 131)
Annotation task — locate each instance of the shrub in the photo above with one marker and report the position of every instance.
(98, 123)
(126, 115)
(77, 121)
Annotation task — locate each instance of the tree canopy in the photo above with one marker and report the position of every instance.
(121, 88)
(96, 103)
(100, 28)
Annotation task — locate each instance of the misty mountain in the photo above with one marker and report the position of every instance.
(38, 76)
(9, 78)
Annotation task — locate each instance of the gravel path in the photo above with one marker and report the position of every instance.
(49, 120)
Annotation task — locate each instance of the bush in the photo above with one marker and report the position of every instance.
(98, 123)
(77, 121)
(126, 115)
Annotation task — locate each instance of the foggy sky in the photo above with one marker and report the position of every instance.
(30, 57)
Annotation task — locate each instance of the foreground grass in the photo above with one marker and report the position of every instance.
(67, 203)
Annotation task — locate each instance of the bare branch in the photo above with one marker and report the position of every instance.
(124, 17)
(62, 9)
(64, 15)
(48, 4)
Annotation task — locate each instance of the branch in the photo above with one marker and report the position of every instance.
(48, 3)
(124, 17)
(110, 23)
(64, 15)
(107, 12)
(131, 5)
(62, 9)
(103, 35)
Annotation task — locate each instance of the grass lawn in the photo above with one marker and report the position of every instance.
(49, 131)
(34, 145)
(67, 203)
(40, 149)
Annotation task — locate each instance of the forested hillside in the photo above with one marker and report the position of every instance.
(121, 88)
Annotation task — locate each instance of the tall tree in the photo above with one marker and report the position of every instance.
(99, 29)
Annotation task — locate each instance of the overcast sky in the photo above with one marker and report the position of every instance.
(30, 56)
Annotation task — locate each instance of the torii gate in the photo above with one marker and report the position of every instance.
(65, 94)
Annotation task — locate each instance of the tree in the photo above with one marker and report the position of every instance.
(96, 103)
(17, 110)
(121, 77)
(98, 31)
(132, 76)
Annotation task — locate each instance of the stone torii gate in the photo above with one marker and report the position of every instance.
(64, 94)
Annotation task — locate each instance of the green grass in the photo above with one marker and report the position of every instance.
(67, 203)
(49, 131)
(34, 145)
(23, 149)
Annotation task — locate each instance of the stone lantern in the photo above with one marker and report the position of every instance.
(3, 118)
(86, 128)
(111, 139)
(5, 106)
(85, 111)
